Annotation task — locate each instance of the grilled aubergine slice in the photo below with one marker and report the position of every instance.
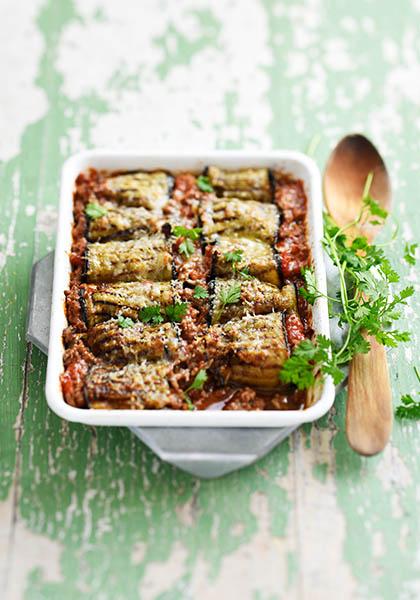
(257, 257)
(246, 184)
(123, 222)
(132, 344)
(230, 215)
(106, 300)
(150, 190)
(256, 298)
(256, 350)
(133, 386)
(145, 258)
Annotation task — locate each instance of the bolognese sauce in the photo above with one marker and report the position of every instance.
(184, 290)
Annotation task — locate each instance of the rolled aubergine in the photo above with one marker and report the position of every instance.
(133, 386)
(256, 298)
(146, 258)
(103, 301)
(122, 222)
(245, 184)
(132, 344)
(150, 190)
(257, 257)
(257, 349)
(233, 216)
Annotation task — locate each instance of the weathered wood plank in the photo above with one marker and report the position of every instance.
(92, 513)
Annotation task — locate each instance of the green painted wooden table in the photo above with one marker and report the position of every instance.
(90, 513)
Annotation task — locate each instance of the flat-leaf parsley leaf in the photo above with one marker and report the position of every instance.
(231, 295)
(409, 407)
(187, 247)
(151, 314)
(176, 311)
(200, 292)
(199, 380)
(204, 184)
(191, 233)
(410, 253)
(125, 322)
(95, 210)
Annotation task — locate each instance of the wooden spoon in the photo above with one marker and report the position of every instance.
(369, 403)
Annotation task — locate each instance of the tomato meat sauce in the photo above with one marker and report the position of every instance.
(222, 344)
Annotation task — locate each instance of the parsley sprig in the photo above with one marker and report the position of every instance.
(124, 322)
(204, 184)
(410, 253)
(230, 295)
(190, 233)
(234, 257)
(156, 314)
(199, 380)
(189, 236)
(175, 312)
(409, 407)
(151, 314)
(308, 359)
(95, 210)
(364, 302)
(200, 292)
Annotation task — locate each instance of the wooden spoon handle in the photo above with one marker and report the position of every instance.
(369, 403)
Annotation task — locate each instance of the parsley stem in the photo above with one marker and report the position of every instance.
(341, 269)
(344, 346)
(313, 144)
(368, 185)
(358, 219)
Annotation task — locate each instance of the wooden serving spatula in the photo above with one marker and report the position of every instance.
(369, 403)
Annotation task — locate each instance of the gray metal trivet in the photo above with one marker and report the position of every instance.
(203, 452)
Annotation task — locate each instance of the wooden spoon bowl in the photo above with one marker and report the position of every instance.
(345, 176)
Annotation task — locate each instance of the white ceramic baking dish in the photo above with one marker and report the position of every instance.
(296, 164)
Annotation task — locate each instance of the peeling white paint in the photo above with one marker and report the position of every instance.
(22, 101)
(29, 210)
(7, 243)
(402, 84)
(258, 566)
(319, 520)
(30, 551)
(186, 513)
(337, 55)
(392, 470)
(138, 553)
(153, 584)
(192, 94)
(46, 221)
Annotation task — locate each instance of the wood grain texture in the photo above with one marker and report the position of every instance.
(91, 513)
(369, 403)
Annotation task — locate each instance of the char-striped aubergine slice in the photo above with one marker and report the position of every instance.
(150, 190)
(132, 344)
(246, 184)
(146, 258)
(233, 216)
(103, 301)
(133, 386)
(256, 297)
(123, 222)
(257, 257)
(257, 349)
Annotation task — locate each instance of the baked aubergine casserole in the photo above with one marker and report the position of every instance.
(184, 290)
